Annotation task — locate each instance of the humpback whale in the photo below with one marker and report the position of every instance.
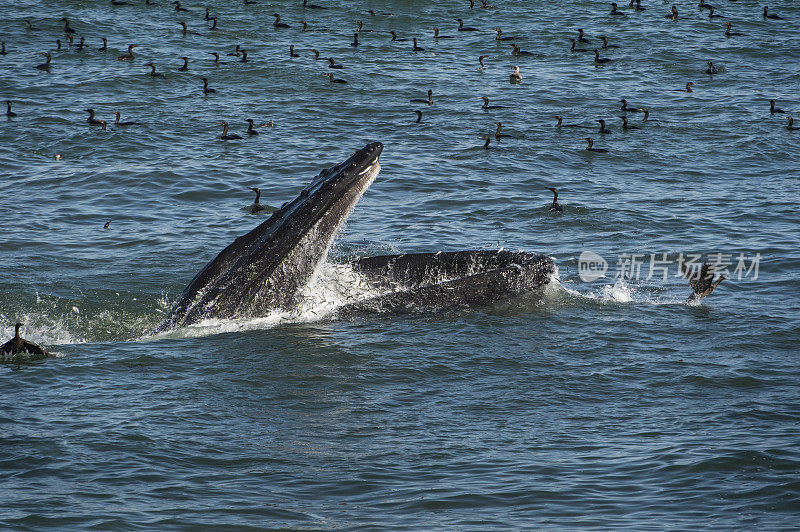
(265, 269)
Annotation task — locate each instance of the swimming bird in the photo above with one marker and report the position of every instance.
(356, 43)
(46, 64)
(185, 30)
(614, 10)
(251, 127)
(480, 60)
(206, 90)
(117, 123)
(335, 80)
(555, 207)
(771, 16)
(429, 101)
(712, 15)
(213, 24)
(791, 127)
(603, 129)
(18, 345)
(312, 6)
(591, 148)
(673, 15)
(710, 69)
(773, 109)
(687, 89)
(208, 15)
(185, 66)
(92, 120)
(729, 33)
(332, 64)
(129, 55)
(29, 26)
(605, 43)
(702, 284)
(646, 114)
(244, 56)
(639, 6)
(278, 23)
(248, 2)
(3, 49)
(104, 47)
(153, 73)
(292, 53)
(499, 135)
(702, 5)
(216, 56)
(573, 49)
(225, 135)
(102, 125)
(419, 116)
(394, 37)
(581, 37)
(625, 124)
(515, 76)
(499, 36)
(416, 47)
(81, 45)
(236, 51)
(487, 138)
(517, 52)
(461, 26)
(437, 36)
(67, 29)
(600, 60)
(178, 7)
(9, 112)
(626, 109)
(58, 44)
(256, 207)
(487, 106)
(561, 124)
(108, 223)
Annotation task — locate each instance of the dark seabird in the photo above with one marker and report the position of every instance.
(499, 36)
(480, 60)
(292, 53)
(355, 40)
(208, 15)
(213, 24)
(560, 124)
(554, 207)
(9, 112)
(687, 89)
(216, 56)
(712, 15)
(614, 10)
(773, 109)
(46, 64)
(429, 101)
(332, 64)
(590, 148)
(81, 45)
(178, 6)
(773, 17)
(312, 6)
(517, 52)
(206, 90)
(67, 29)
(58, 44)
(710, 69)
(117, 123)
(437, 36)
(702, 5)
(515, 76)
(791, 127)
(225, 135)
(129, 55)
(236, 52)
(626, 109)
(419, 116)
(605, 43)
(29, 26)
(278, 23)
(461, 26)
(487, 106)
(153, 73)
(3, 49)
(600, 60)
(107, 224)
(256, 207)
(499, 135)
(103, 125)
(573, 49)
(92, 120)
(581, 37)
(673, 14)
(487, 138)
(18, 345)
(335, 80)
(639, 6)
(625, 124)
(185, 66)
(603, 129)
(104, 47)
(703, 283)
(729, 33)
(244, 56)
(251, 131)
(416, 47)
(394, 37)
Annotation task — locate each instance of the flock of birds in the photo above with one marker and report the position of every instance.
(702, 282)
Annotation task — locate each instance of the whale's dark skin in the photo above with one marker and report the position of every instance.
(265, 269)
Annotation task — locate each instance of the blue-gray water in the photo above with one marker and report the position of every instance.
(601, 404)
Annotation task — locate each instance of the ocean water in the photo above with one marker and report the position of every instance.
(599, 403)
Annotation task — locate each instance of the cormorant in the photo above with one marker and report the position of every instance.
(487, 138)
(185, 66)
(335, 80)
(206, 90)
(581, 37)
(499, 36)
(461, 26)
(791, 127)
(256, 207)
(67, 29)
(46, 64)
(600, 60)
(225, 135)
(278, 23)
(487, 106)
(417, 48)
(178, 6)
(554, 207)
(605, 43)
(729, 33)
(573, 49)
(710, 69)
(703, 283)
(292, 53)
(117, 123)
(92, 120)
(419, 116)
(603, 129)
(560, 124)
(104, 47)
(18, 345)
(437, 36)
(674, 14)
(590, 148)
(251, 131)
(614, 10)
(429, 101)
(626, 109)
(9, 112)
(515, 77)
(773, 109)
(153, 73)
(773, 17)
(129, 55)
(625, 124)
(356, 43)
